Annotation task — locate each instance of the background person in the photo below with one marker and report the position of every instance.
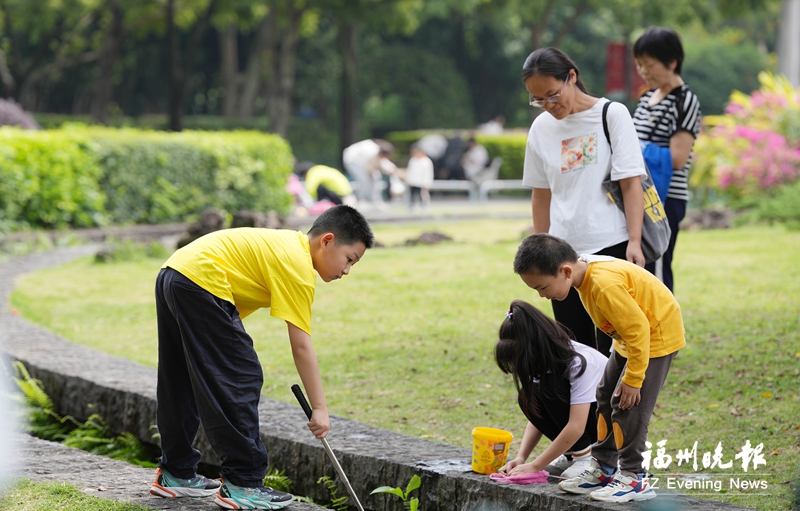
(474, 160)
(667, 115)
(327, 183)
(493, 127)
(434, 145)
(566, 160)
(419, 178)
(450, 164)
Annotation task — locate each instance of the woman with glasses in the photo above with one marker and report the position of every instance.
(566, 160)
(667, 115)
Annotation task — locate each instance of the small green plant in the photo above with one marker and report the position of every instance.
(337, 503)
(277, 480)
(413, 484)
(92, 436)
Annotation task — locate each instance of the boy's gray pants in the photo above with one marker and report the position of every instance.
(621, 434)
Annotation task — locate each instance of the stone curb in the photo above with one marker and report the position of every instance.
(123, 393)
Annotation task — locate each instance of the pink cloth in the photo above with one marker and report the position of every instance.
(530, 478)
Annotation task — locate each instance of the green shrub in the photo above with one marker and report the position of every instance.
(158, 122)
(781, 207)
(85, 176)
(509, 146)
(48, 179)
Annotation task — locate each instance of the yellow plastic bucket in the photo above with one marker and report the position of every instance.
(489, 449)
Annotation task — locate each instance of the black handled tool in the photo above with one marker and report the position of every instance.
(301, 398)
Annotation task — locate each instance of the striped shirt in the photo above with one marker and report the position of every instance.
(679, 111)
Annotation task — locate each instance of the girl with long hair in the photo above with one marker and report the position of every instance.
(556, 379)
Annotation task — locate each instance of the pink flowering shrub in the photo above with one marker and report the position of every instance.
(754, 147)
(757, 159)
(763, 109)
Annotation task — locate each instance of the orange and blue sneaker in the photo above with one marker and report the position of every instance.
(171, 487)
(592, 478)
(231, 496)
(625, 487)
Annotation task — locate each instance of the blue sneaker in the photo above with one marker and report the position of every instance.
(171, 487)
(625, 487)
(592, 478)
(231, 496)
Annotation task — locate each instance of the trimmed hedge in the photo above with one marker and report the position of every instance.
(158, 122)
(83, 177)
(509, 146)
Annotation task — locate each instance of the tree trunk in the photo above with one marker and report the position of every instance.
(348, 48)
(229, 69)
(175, 101)
(283, 74)
(180, 73)
(104, 87)
(258, 60)
(540, 26)
(569, 25)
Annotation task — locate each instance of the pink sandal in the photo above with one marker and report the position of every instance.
(529, 478)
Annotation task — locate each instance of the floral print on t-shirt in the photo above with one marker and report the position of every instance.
(578, 152)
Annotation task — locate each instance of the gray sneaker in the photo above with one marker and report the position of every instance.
(231, 496)
(168, 486)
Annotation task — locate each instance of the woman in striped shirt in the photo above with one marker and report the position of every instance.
(667, 115)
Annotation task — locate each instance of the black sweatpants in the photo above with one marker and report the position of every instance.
(323, 192)
(571, 313)
(675, 210)
(207, 371)
(555, 416)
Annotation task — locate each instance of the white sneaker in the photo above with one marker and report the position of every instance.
(625, 487)
(591, 479)
(576, 469)
(561, 462)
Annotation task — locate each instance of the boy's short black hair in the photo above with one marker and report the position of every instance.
(543, 254)
(347, 225)
(663, 44)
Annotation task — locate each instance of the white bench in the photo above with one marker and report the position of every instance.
(456, 185)
(500, 184)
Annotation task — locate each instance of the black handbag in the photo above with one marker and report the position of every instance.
(655, 228)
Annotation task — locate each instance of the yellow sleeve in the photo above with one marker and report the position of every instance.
(291, 301)
(632, 328)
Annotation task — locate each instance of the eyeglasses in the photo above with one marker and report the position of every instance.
(539, 103)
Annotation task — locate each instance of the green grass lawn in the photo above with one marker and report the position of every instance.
(30, 496)
(405, 342)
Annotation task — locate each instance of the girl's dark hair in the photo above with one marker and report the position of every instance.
(533, 346)
(662, 44)
(551, 62)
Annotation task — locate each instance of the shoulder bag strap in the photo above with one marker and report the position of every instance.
(605, 124)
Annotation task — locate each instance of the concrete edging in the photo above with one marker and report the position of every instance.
(82, 381)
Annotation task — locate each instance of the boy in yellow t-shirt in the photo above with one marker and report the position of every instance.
(634, 308)
(208, 370)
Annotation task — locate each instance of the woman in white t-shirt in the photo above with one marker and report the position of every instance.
(556, 379)
(566, 160)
